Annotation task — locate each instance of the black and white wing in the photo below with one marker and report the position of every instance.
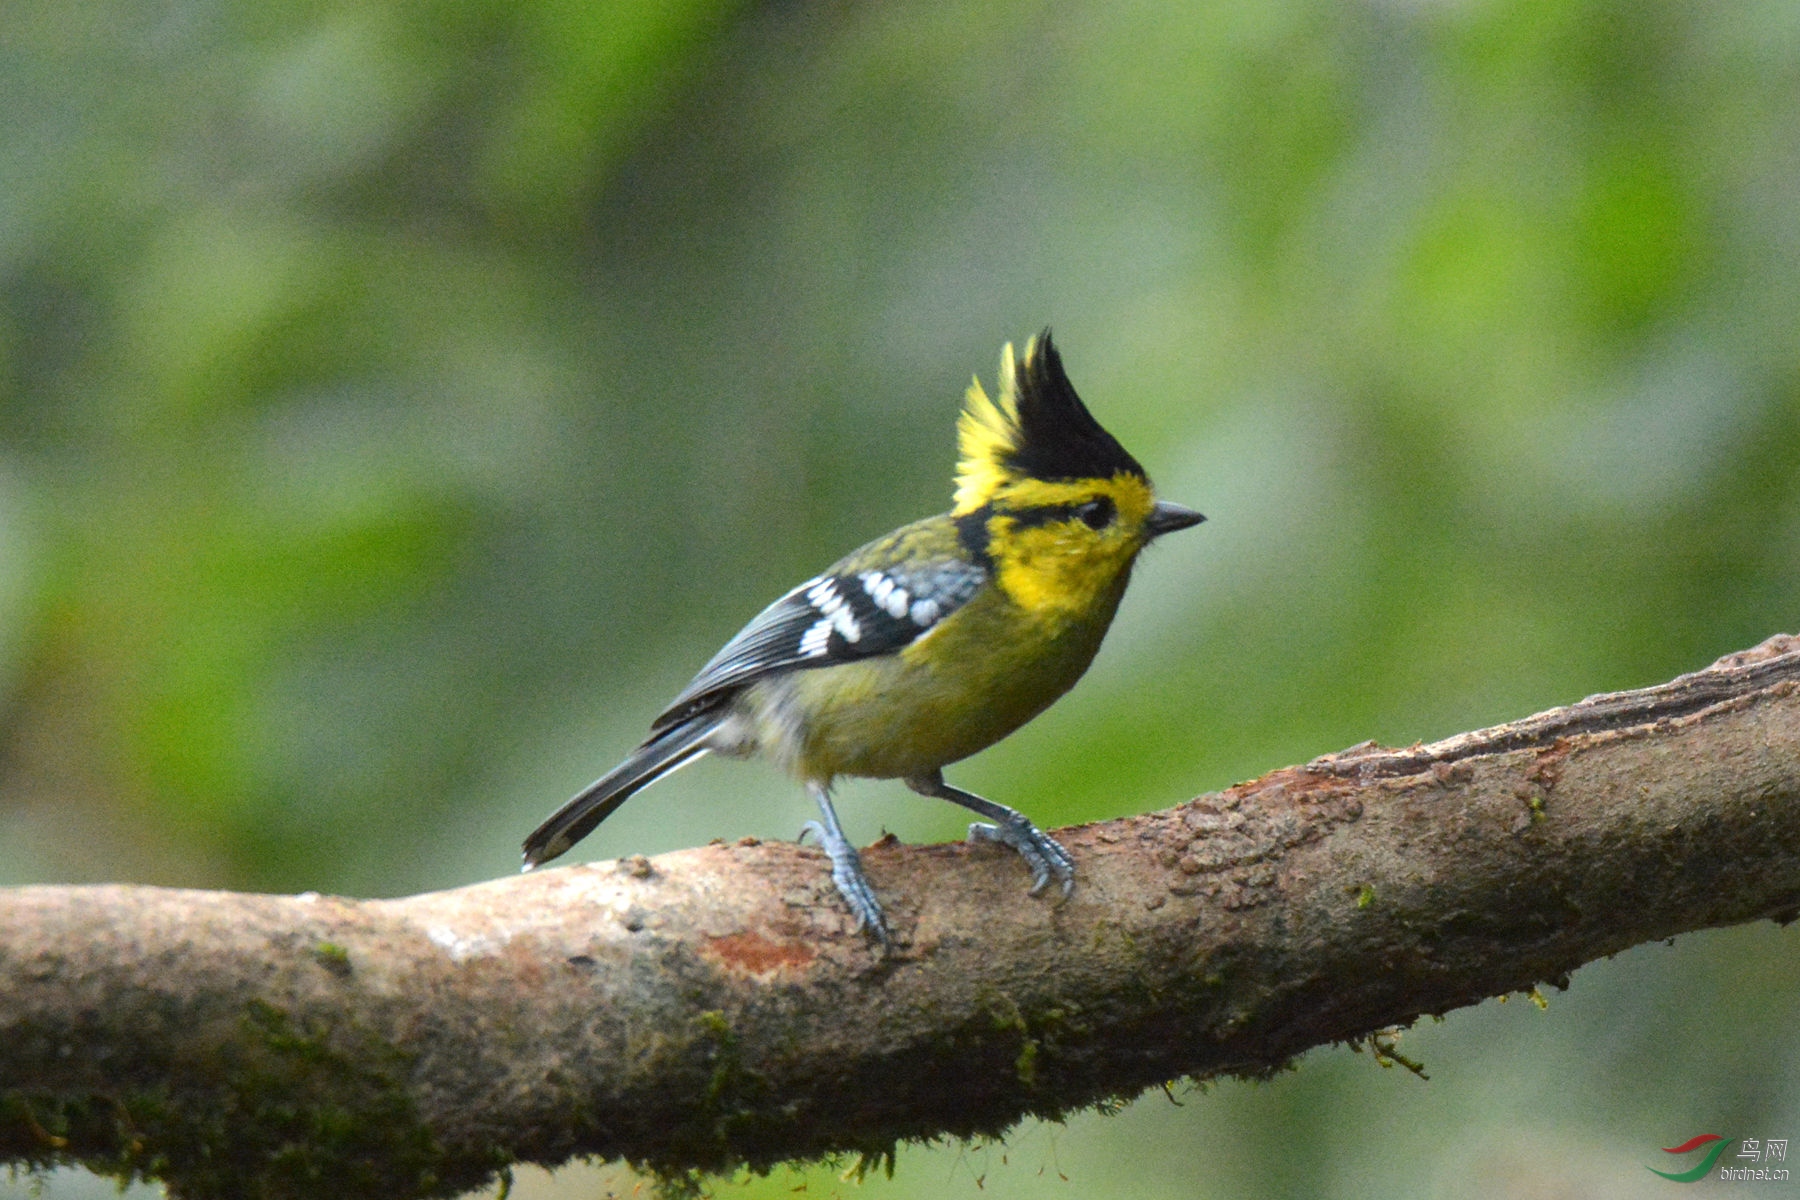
(843, 615)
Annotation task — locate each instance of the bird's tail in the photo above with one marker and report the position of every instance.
(673, 747)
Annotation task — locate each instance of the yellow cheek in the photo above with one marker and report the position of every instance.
(1056, 573)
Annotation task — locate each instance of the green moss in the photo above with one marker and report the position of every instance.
(1004, 1016)
(1384, 1047)
(1025, 1066)
(733, 1109)
(290, 1110)
(727, 1063)
(332, 957)
(679, 1184)
(873, 1160)
(296, 1108)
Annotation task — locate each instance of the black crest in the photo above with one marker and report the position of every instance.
(1059, 438)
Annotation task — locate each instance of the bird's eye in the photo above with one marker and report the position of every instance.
(1096, 513)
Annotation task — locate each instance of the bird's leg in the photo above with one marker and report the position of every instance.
(846, 868)
(1039, 850)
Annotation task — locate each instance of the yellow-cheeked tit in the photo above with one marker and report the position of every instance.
(928, 644)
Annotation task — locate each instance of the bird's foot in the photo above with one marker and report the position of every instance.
(852, 884)
(1041, 852)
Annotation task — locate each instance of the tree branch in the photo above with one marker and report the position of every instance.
(712, 1007)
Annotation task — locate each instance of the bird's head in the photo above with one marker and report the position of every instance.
(1061, 499)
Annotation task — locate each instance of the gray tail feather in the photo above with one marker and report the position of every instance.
(672, 748)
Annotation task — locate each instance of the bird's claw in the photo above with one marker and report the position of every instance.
(1041, 852)
(847, 875)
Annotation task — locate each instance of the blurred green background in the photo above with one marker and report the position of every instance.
(398, 401)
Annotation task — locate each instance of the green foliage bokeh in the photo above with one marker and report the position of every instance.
(399, 400)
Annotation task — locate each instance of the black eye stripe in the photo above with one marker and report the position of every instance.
(1043, 514)
(1096, 514)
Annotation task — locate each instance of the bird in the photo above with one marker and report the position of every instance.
(930, 643)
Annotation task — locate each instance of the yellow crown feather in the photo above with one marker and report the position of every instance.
(987, 434)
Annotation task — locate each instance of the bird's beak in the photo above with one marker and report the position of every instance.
(1167, 518)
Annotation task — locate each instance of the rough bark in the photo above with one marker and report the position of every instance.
(712, 1007)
